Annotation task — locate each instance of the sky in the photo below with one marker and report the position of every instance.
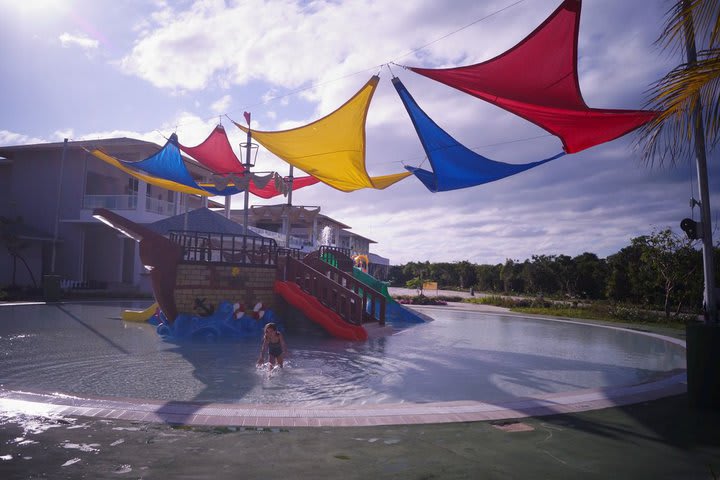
(91, 69)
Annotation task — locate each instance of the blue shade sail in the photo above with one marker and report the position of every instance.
(168, 164)
(454, 166)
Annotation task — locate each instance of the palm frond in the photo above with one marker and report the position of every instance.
(670, 136)
(701, 16)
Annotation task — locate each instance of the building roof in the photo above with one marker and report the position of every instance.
(377, 259)
(298, 211)
(112, 146)
(200, 220)
(275, 213)
(122, 146)
(23, 231)
(353, 234)
(105, 143)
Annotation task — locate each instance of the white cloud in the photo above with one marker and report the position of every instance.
(8, 138)
(291, 47)
(154, 136)
(62, 134)
(84, 42)
(221, 105)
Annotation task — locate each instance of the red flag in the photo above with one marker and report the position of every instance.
(247, 117)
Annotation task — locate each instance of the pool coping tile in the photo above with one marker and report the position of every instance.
(260, 416)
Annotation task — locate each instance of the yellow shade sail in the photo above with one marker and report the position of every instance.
(332, 149)
(167, 184)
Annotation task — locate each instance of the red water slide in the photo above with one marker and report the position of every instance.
(319, 313)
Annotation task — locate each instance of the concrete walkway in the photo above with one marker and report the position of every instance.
(663, 439)
(394, 291)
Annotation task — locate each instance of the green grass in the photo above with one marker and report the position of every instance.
(600, 311)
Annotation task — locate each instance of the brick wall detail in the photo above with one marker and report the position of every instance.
(216, 283)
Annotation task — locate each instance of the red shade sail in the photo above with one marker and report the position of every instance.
(216, 153)
(271, 189)
(537, 80)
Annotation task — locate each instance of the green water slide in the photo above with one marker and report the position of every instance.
(372, 282)
(394, 312)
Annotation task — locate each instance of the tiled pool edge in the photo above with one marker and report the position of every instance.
(259, 416)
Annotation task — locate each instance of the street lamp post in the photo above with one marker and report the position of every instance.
(250, 149)
(289, 208)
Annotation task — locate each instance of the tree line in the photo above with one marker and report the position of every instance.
(661, 271)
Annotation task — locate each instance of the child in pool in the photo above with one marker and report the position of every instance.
(274, 343)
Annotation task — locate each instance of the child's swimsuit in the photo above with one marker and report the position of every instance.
(275, 349)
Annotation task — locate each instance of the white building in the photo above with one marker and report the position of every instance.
(47, 196)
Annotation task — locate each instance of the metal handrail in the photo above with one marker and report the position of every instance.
(346, 303)
(336, 256)
(373, 302)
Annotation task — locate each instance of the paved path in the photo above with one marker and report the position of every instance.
(432, 293)
(663, 439)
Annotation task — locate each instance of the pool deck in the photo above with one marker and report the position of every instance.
(633, 432)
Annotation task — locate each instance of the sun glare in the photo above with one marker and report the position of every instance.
(36, 8)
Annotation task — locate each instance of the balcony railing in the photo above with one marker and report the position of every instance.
(128, 202)
(111, 202)
(156, 205)
(278, 237)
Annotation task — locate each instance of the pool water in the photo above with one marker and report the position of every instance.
(85, 349)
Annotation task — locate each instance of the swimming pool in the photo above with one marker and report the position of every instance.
(86, 350)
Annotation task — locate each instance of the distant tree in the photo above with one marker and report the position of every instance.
(628, 277)
(396, 277)
(443, 273)
(591, 274)
(511, 276)
(539, 275)
(416, 283)
(488, 278)
(465, 274)
(565, 274)
(15, 245)
(674, 260)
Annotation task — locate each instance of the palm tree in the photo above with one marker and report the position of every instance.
(689, 101)
(14, 244)
(688, 86)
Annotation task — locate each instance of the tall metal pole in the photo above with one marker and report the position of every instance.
(184, 199)
(710, 295)
(57, 206)
(289, 207)
(248, 152)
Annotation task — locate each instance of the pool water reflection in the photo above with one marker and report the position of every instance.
(85, 349)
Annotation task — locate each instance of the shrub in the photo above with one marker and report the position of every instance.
(419, 300)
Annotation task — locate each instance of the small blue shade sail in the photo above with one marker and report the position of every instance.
(167, 163)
